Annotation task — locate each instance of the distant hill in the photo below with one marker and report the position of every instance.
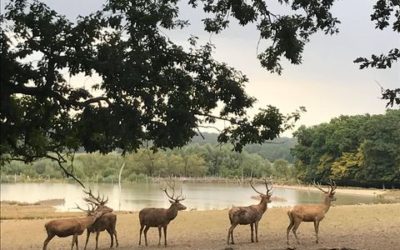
(276, 149)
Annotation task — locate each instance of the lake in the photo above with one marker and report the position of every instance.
(135, 196)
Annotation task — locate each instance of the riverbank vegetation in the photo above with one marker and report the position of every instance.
(202, 158)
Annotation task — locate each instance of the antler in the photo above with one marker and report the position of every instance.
(95, 200)
(172, 197)
(317, 185)
(269, 189)
(266, 186)
(90, 209)
(333, 186)
(251, 184)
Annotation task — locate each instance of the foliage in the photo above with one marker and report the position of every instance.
(353, 150)
(150, 89)
(193, 160)
(384, 12)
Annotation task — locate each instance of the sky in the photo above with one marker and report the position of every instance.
(327, 83)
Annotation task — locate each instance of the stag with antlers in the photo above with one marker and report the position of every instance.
(160, 217)
(106, 222)
(312, 212)
(73, 226)
(251, 214)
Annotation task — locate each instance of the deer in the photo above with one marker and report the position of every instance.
(73, 226)
(106, 222)
(250, 214)
(311, 212)
(160, 217)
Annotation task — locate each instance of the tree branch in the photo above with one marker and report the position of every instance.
(37, 91)
(61, 160)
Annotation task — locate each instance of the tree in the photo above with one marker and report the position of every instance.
(150, 90)
(281, 168)
(353, 150)
(288, 33)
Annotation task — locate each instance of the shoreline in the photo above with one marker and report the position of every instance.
(383, 195)
(341, 190)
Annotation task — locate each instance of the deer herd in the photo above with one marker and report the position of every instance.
(100, 217)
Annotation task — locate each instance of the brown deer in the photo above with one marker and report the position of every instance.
(311, 212)
(160, 217)
(73, 226)
(251, 214)
(105, 222)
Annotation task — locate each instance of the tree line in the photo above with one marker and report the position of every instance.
(361, 150)
(194, 160)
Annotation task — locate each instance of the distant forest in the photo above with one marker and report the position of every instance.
(361, 150)
(202, 157)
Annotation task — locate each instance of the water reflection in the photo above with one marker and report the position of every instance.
(199, 196)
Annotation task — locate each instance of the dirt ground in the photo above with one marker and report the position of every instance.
(344, 227)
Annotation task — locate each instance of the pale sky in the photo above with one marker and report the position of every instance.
(327, 83)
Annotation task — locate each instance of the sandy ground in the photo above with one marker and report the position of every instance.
(344, 227)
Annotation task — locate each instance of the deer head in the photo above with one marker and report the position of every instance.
(174, 200)
(264, 197)
(330, 194)
(96, 201)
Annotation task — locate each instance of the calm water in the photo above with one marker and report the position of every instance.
(133, 197)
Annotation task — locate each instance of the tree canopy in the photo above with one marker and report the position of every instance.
(151, 89)
(353, 150)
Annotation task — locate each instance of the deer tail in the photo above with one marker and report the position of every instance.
(289, 213)
(46, 227)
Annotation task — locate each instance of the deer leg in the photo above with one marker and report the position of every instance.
(288, 230)
(87, 239)
(140, 234)
(296, 226)
(111, 233)
(46, 241)
(165, 235)
(256, 227)
(316, 227)
(97, 239)
(159, 235)
(74, 241)
(252, 229)
(145, 234)
(230, 233)
(116, 239)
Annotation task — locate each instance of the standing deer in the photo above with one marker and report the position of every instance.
(73, 226)
(311, 212)
(105, 222)
(251, 214)
(160, 217)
